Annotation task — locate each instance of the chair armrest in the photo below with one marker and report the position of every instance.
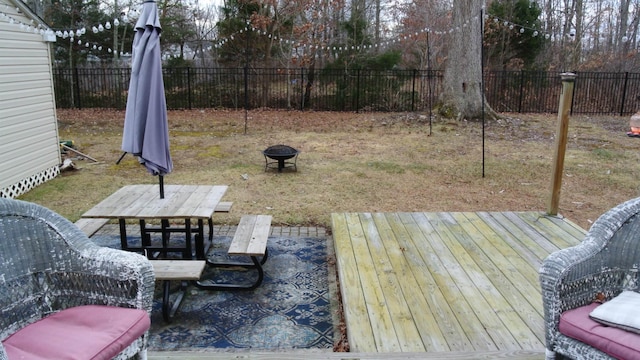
(101, 275)
(107, 276)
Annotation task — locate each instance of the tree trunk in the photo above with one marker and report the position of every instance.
(462, 96)
(576, 50)
(311, 76)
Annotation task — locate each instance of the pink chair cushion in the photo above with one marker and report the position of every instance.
(83, 332)
(616, 342)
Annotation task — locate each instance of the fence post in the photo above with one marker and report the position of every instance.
(521, 91)
(76, 88)
(301, 88)
(357, 99)
(246, 96)
(413, 90)
(189, 87)
(624, 92)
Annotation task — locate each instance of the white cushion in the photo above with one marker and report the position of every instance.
(623, 311)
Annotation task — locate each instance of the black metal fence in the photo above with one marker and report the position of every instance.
(358, 90)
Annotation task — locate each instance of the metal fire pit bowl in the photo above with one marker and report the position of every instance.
(280, 153)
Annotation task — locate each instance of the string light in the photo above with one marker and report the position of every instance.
(77, 33)
(403, 37)
(24, 26)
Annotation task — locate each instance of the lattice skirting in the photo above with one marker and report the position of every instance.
(25, 185)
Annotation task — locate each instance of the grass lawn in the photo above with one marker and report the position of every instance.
(367, 162)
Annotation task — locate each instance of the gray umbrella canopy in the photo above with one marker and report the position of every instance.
(146, 130)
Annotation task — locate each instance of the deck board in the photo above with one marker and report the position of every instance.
(445, 282)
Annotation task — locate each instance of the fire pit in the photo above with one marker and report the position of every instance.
(280, 153)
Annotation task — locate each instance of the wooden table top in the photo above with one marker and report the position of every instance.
(143, 202)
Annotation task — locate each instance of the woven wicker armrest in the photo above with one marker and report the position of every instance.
(102, 275)
(604, 264)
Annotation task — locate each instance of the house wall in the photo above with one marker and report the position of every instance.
(29, 143)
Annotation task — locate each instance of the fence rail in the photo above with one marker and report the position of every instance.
(358, 90)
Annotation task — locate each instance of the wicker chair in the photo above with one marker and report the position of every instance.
(605, 263)
(47, 264)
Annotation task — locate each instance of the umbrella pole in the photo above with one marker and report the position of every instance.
(161, 180)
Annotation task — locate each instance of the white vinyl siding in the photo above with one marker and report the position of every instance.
(29, 143)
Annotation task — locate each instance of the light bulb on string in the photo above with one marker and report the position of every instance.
(107, 25)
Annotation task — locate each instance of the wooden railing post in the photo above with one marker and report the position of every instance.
(564, 108)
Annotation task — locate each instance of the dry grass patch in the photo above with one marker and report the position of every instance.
(371, 162)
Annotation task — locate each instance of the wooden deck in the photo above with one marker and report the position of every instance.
(446, 282)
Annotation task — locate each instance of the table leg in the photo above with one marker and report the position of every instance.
(188, 252)
(168, 311)
(166, 235)
(123, 234)
(145, 237)
(200, 253)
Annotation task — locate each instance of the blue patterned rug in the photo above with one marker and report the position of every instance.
(290, 310)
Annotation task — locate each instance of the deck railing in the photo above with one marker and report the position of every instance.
(340, 90)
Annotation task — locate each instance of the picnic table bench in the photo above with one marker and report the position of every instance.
(250, 240)
(172, 270)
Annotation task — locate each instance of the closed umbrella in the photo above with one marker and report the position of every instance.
(146, 130)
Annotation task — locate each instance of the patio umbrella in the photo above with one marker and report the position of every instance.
(146, 130)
